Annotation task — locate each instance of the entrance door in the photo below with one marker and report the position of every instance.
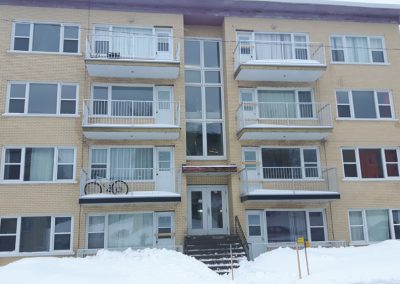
(208, 212)
(165, 230)
(165, 106)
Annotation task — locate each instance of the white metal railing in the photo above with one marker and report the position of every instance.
(126, 112)
(280, 113)
(280, 52)
(130, 46)
(310, 178)
(137, 180)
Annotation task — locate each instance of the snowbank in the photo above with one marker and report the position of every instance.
(375, 264)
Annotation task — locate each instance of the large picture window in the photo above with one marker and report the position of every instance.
(35, 234)
(358, 49)
(204, 99)
(371, 163)
(44, 37)
(38, 164)
(42, 99)
(364, 104)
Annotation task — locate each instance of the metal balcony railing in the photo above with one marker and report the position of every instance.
(130, 46)
(286, 114)
(311, 178)
(120, 112)
(280, 53)
(137, 179)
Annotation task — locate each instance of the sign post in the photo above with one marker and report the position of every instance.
(307, 245)
(300, 241)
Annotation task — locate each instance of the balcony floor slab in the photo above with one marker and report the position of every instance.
(131, 197)
(287, 195)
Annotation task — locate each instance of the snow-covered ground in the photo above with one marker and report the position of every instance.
(375, 264)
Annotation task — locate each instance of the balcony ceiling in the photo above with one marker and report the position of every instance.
(212, 12)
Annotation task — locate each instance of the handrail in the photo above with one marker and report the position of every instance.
(242, 236)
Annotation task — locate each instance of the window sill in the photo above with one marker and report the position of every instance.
(355, 63)
(5, 182)
(41, 115)
(44, 53)
(368, 119)
(32, 254)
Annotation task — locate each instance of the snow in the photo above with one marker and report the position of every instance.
(287, 192)
(285, 126)
(374, 264)
(132, 194)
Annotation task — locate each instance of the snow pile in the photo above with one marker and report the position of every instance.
(147, 266)
(374, 264)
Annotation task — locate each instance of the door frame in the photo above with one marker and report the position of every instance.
(225, 217)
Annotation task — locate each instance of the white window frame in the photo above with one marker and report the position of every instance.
(27, 96)
(358, 165)
(365, 224)
(296, 95)
(259, 154)
(376, 104)
(61, 45)
(204, 120)
(344, 48)
(108, 149)
(17, 253)
(22, 165)
(106, 216)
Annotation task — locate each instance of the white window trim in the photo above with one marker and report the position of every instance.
(204, 120)
(365, 224)
(51, 251)
(61, 46)
(106, 216)
(351, 105)
(358, 165)
(346, 62)
(22, 163)
(27, 96)
(264, 227)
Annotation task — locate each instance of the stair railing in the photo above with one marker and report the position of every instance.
(242, 236)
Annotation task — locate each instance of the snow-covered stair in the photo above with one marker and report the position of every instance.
(214, 251)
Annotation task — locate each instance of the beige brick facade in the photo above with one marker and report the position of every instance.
(28, 199)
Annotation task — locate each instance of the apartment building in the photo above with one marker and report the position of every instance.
(138, 123)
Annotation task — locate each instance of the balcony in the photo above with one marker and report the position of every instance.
(137, 185)
(131, 120)
(289, 184)
(283, 121)
(279, 61)
(125, 55)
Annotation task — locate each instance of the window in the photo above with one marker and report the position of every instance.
(278, 103)
(127, 164)
(364, 104)
(371, 225)
(42, 99)
(254, 224)
(287, 226)
(370, 163)
(35, 234)
(358, 49)
(120, 231)
(396, 224)
(204, 99)
(38, 164)
(41, 37)
(290, 163)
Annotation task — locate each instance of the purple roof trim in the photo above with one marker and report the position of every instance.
(212, 12)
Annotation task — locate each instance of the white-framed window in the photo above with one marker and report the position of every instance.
(123, 230)
(370, 163)
(46, 37)
(129, 163)
(254, 224)
(38, 164)
(278, 103)
(364, 104)
(42, 98)
(35, 234)
(358, 49)
(205, 122)
(373, 225)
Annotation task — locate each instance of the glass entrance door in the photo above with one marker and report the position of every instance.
(207, 210)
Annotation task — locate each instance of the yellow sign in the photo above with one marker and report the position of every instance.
(300, 241)
(308, 244)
